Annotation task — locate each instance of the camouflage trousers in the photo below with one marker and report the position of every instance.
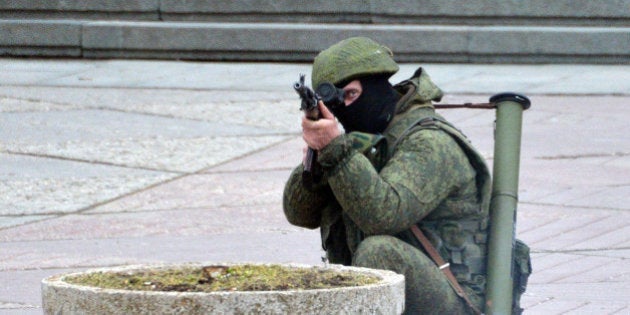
(427, 290)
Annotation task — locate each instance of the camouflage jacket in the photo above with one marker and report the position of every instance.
(383, 184)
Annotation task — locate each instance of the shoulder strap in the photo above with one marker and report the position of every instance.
(443, 266)
(430, 121)
(483, 174)
(422, 121)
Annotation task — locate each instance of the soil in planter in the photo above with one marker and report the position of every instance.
(224, 278)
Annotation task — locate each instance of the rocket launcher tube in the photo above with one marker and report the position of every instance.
(507, 145)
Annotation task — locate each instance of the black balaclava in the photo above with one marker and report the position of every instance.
(374, 108)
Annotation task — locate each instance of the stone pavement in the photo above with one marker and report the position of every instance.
(106, 162)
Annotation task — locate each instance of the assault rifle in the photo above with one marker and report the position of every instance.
(312, 170)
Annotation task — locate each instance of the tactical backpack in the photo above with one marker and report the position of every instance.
(521, 253)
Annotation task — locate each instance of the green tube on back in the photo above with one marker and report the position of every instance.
(504, 200)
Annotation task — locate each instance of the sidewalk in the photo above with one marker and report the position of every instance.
(120, 162)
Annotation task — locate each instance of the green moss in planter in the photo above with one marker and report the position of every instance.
(224, 278)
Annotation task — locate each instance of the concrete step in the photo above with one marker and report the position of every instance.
(424, 12)
(301, 42)
(77, 9)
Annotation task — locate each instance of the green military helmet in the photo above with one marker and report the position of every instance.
(352, 58)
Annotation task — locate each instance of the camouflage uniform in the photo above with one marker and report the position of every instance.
(375, 187)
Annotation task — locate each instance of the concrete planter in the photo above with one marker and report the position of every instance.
(384, 297)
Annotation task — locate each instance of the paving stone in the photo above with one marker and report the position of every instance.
(566, 224)
(277, 115)
(517, 78)
(161, 154)
(556, 306)
(9, 75)
(22, 288)
(613, 270)
(286, 155)
(121, 73)
(579, 294)
(303, 246)
(132, 140)
(602, 308)
(595, 197)
(95, 125)
(615, 197)
(140, 99)
(530, 217)
(595, 266)
(621, 252)
(175, 222)
(609, 238)
(264, 77)
(572, 272)
(8, 221)
(574, 81)
(37, 185)
(207, 190)
(9, 104)
(56, 67)
(622, 161)
(452, 78)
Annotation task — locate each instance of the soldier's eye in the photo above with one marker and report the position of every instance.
(352, 93)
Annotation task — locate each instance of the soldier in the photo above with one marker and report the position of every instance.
(399, 164)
